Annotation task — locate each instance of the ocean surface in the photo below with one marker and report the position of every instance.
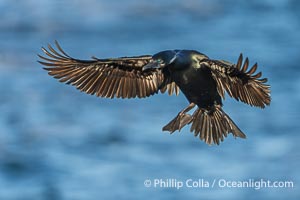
(58, 143)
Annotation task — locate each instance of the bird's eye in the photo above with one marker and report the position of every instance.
(159, 60)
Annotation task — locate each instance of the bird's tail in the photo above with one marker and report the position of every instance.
(213, 124)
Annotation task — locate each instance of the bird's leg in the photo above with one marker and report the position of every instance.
(180, 120)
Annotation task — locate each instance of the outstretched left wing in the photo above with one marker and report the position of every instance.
(239, 83)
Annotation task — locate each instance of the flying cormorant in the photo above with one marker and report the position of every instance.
(202, 80)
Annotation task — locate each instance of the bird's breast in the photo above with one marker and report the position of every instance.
(188, 77)
(197, 85)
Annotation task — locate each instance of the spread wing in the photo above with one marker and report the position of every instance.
(239, 83)
(117, 77)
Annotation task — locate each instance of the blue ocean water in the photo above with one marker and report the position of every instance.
(58, 143)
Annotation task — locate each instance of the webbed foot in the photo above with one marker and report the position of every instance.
(180, 120)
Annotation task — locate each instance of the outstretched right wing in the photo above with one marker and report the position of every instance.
(117, 77)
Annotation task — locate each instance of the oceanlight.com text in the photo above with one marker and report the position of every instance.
(256, 184)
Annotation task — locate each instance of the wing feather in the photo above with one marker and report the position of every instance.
(239, 83)
(170, 86)
(115, 77)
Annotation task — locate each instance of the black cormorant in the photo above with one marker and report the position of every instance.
(202, 80)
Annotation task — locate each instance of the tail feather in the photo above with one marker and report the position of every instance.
(213, 125)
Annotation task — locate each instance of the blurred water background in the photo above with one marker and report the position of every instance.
(58, 143)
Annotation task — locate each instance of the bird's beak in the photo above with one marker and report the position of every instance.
(152, 65)
(157, 65)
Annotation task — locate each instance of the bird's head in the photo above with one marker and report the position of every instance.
(161, 60)
(175, 59)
